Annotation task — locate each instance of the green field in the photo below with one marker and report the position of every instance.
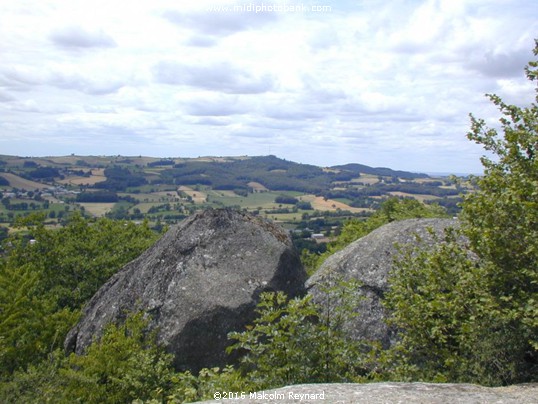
(144, 190)
(18, 182)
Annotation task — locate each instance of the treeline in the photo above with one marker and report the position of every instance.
(289, 200)
(33, 171)
(120, 178)
(42, 173)
(234, 175)
(160, 163)
(97, 196)
(6, 202)
(380, 189)
(452, 205)
(379, 171)
(270, 171)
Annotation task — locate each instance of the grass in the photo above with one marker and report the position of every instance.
(18, 182)
(284, 217)
(343, 200)
(264, 200)
(98, 209)
(144, 207)
(145, 197)
(76, 180)
(150, 188)
(367, 179)
(319, 203)
(197, 196)
(418, 197)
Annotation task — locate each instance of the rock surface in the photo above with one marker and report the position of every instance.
(388, 393)
(200, 281)
(369, 260)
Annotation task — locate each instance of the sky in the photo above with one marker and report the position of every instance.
(328, 82)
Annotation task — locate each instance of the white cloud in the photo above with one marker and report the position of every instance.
(219, 106)
(87, 85)
(379, 83)
(204, 41)
(216, 77)
(77, 37)
(5, 96)
(500, 64)
(218, 23)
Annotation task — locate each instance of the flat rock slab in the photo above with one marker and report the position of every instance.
(391, 393)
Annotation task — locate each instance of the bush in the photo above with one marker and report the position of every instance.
(476, 320)
(301, 341)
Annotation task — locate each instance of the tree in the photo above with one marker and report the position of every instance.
(299, 340)
(30, 325)
(470, 312)
(44, 284)
(501, 222)
(125, 364)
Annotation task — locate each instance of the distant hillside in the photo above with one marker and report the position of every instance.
(382, 171)
(168, 189)
(236, 170)
(270, 171)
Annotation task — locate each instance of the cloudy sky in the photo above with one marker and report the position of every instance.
(383, 83)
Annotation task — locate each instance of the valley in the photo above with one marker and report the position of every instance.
(301, 197)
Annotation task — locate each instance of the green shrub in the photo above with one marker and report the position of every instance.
(300, 341)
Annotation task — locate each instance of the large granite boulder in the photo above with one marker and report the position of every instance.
(370, 260)
(196, 284)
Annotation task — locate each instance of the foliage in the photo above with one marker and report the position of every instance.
(43, 284)
(75, 260)
(438, 308)
(299, 340)
(29, 326)
(98, 196)
(44, 172)
(40, 383)
(470, 313)
(188, 387)
(451, 204)
(124, 365)
(286, 200)
(120, 178)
